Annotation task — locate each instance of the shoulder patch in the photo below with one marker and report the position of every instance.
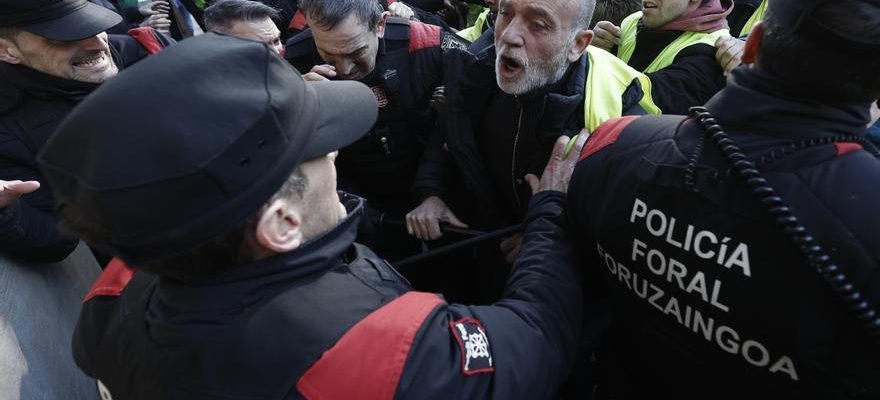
(845, 148)
(112, 281)
(452, 41)
(476, 356)
(422, 36)
(369, 359)
(605, 135)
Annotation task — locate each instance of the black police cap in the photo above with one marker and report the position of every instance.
(798, 17)
(64, 20)
(187, 144)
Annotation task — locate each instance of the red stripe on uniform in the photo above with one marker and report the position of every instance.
(147, 38)
(847, 147)
(368, 361)
(112, 281)
(299, 21)
(605, 135)
(422, 36)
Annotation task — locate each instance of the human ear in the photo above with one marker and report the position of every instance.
(9, 52)
(380, 26)
(279, 228)
(581, 40)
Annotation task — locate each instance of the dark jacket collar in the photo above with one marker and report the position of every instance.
(771, 110)
(562, 101)
(249, 284)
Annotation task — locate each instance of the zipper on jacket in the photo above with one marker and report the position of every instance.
(513, 158)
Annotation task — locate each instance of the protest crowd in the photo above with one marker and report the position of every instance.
(439, 199)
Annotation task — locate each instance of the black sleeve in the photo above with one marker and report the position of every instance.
(693, 78)
(435, 167)
(28, 228)
(532, 331)
(31, 234)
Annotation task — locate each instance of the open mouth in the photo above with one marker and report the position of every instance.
(93, 61)
(649, 5)
(509, 66)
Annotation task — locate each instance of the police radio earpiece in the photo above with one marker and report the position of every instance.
(812, 252)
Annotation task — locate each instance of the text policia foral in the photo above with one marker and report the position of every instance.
(706, 245)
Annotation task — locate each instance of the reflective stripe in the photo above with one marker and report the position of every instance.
(756, 17)
(629, 31)
(608, 79)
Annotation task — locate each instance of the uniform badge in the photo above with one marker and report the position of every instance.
(381, 98)
(476, 357)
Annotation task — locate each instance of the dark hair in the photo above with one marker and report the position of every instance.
(220, 16)
(327, 14)
(614, 11)
(224, 253)
(823, 61)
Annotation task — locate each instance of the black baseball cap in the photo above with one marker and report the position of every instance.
(64, 20)
(186, 145)
(798, 17)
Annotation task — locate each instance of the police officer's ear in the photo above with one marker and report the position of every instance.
(9, 51)
(750, 54)
(279, 228)
(581, 40)
(380, 27)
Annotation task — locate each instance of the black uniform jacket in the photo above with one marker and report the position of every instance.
(710, 298)
(409, 67)
(330, 320)
(32, 105)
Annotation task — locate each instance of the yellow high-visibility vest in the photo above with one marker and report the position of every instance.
(474, 32)
(607, 80)
(629, 30)
(754, 19)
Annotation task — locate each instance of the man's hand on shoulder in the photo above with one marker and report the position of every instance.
(10, 191)
(558, 171)
(729, 53)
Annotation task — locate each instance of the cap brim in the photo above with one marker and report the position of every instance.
(83, 23)
(347, 111)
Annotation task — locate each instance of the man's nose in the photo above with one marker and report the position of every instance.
(344, 67)
(512, 34)
(95, 43)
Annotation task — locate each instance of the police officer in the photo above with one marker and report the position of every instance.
(53, 53)
(248, 284)
(401, 61)
(738, 245)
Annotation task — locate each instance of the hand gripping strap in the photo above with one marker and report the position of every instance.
(367, 362)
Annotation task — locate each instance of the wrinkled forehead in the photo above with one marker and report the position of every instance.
(564, 11)
(349, 35)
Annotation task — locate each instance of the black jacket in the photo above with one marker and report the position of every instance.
(693, 78)
(742, 12)
(293, 324)
(32, 104)
(381, 166)
(454, 166)
(710, 298)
